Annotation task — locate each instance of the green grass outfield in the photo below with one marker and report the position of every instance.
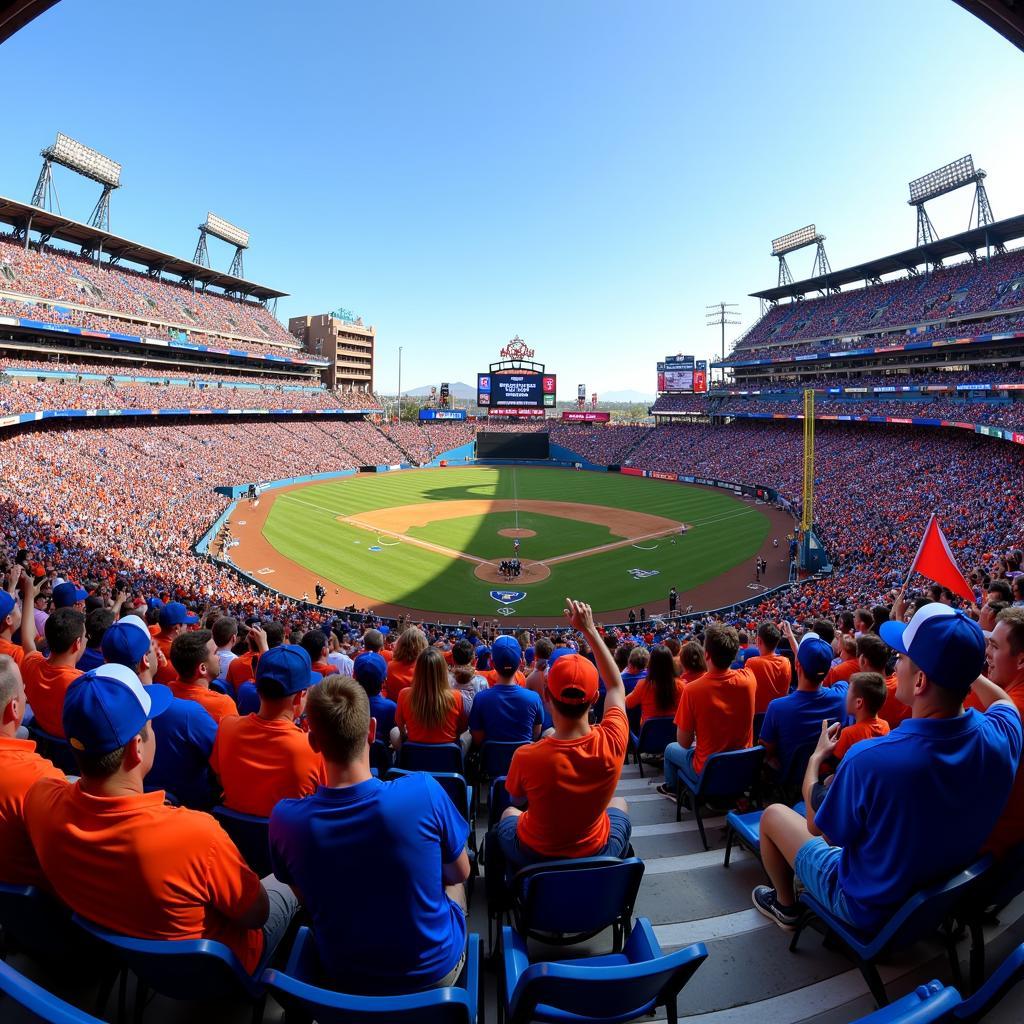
(303, 525)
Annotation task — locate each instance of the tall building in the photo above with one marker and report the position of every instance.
(343, 339)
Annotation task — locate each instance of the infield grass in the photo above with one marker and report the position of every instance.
(304, 526)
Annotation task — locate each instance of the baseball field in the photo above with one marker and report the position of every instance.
(432, 541)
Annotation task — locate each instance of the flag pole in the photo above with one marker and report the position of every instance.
(913, 564)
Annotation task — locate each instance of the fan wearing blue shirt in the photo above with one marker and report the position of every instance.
(793, 721)
(369, 671)
(506, 712)
(379, 866)
(905, 809)
(636, 667)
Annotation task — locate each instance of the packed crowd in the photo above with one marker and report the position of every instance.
(995, 375)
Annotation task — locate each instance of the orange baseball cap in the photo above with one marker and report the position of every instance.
(573, 680)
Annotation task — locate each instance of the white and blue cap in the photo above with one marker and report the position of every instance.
(944, 643)
(126, 642)
(506, 654)
(106, 708)
(285, 670)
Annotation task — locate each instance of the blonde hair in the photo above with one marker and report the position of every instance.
(411, 644)
(432, 692)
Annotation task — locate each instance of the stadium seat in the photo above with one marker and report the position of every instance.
(725, 775)
(745, 829)
(33, 921)
(1002, 884)
(495, 759)
(250, 834)
(38, 1003)
(497, 802)
(758, 722)
(431, 757)
(380, 757)
(927, 1004)
(296, 989)
(617, 987)
(1005, 977)
(190, 969)
(923, 915)
(655, 735)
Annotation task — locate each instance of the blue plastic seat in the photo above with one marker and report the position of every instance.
(613, 988)
(1004, 978)
(725, 775)
(42, 1005)
(927, 1004)
(921, 916)
(296, 988)
(56, 748)
(380, 757)
(758, 722)
(192, 969)
(497, 801)
(745, 830)
(1002, 884)
(431, 757)
(250, 834)
(655, 735)
(33, 921)
(495, 759)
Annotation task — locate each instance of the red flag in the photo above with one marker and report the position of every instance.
(935, 561)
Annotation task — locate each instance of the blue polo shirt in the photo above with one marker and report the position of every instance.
(916, 805)
(506, 713)
(795, 719)
(184, 738)
(383, 710)
(367, 860)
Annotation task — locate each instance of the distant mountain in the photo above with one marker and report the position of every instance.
(623, 396)
(460, 390)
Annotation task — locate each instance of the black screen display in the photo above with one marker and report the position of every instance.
(500, 445)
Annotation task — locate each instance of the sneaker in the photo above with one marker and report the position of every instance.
(666, 792)
(766, 902)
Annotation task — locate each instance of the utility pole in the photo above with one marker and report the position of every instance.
(718, 315)
(399, 383)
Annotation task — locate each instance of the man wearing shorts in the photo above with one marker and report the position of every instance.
(884, 829)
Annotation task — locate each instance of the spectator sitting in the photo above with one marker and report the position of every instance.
(47, 679)
(184, 733)
(692, 661)
(225, 636)
(20, 769)
(10, 622)
(568, 780)
(506, 712)
(772, 670)
(174, 617)
(124, 859)
(243, 669)
(847, 666)
(716, 709)
(264, 757)
(636, 668)
(746, 651)
(430, 711)
(793, 721)
(657, 694)
(370, 670)
(883, 830)
(411, 644)
(195, 661)
(464, 675)
(873, 656)
(97, 622)
(341, 663)
(358, 827)
(315, 644)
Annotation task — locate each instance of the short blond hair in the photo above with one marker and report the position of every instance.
(338, 713)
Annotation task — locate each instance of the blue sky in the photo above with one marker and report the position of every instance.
(588, 175)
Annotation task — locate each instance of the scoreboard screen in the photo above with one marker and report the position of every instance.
(682, 374)
(515, 390)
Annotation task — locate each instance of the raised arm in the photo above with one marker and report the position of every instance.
(989, 693)
(582, 618)
(28, 619)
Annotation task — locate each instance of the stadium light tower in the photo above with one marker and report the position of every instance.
(718, 315)
(66, 152)
(800, 239)
(226, 232)
(949, 178)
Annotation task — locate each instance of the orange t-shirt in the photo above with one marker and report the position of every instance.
(165, 673)
(842, 671)
(454, 725)
(20, 769)
(719, 708)
(241, 670)
(15, 651)
(642, 696)
(259, 762)
(399, 678)
(859, 731)
(568, 785)
(893, 711)
(773, 675)
(220, 705)
(141, 868)
(45, 686)
(1009, 829)
(491, 675)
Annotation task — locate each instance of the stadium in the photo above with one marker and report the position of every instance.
(843, 483)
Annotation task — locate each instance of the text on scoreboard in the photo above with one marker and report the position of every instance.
(512, 390)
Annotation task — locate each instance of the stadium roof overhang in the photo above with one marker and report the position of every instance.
(966, 243)
(16, 14)
(31, 218)
(1005, 16)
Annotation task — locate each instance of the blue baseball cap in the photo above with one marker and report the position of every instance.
(176, 614)
(506, 654)
(944, 643)
(287, 666)
(154, 602)
(67, 594)
(369, 668)
(106, 708)
(483, 657)
(557, 653)
(814, 656)
(7, 604)
(126, 642)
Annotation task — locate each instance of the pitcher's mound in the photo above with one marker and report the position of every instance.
(511, 532)
(533, 572)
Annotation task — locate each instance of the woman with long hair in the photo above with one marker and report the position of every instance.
(658, 694)
(408, 648)
(430, 711)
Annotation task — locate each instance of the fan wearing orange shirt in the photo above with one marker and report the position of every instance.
(10, 614)
(174, 620)
(567, 780)
(873, 656)
(850, 663)
(430, 711)
(314, 642)
(411, 644)
(196, 662)
(657, 694)
(772, 670)
(265, 757)
(20, 769)
(47, 679)
(717, 710)
(125, 860)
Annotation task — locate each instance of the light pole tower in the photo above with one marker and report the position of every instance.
(718, 315)
(399, 383)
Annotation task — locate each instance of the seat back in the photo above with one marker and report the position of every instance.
(794, 763)
(499, 801)
(380, 757)
(179, 969)
(431, 757)
(41, 1004)
(758, 722)
(576, 897)
(1006, 880)
(250, 834)
(656, 734)
(927, 1004)
(496, 757)
(731, 772)
(633, 716)
(452, 783)
(34, 922)
(1005, 977)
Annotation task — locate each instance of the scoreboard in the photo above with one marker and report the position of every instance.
(515, 390)
(682, 374)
